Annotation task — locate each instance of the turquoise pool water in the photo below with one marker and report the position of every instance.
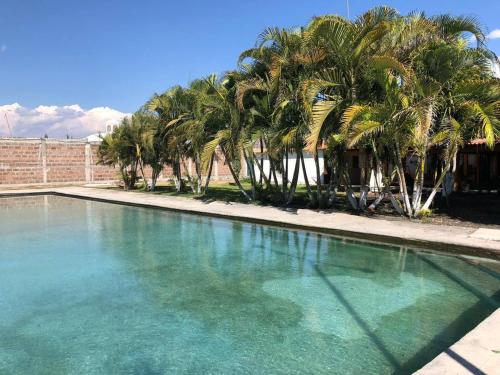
(96, 288)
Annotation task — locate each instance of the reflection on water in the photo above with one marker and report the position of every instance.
(91, 287)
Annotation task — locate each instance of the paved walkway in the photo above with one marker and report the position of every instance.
(432, 236)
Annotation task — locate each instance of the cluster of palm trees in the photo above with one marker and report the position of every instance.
(388, 85)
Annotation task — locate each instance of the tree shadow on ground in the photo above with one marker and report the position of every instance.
(471, 207)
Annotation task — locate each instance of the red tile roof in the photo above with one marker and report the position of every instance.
(478, 141)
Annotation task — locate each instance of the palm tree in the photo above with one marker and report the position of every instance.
(280, 62)
(172, 108)
(122, 149)
(392, 86)
(151, 150)
(223, 111)
(343, 81)
(417, 78)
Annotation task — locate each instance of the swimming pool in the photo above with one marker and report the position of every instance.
(90, 287)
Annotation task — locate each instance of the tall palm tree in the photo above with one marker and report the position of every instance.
(392, 86)
(223, 110)
(353, 46)
(173, 107)
(280, 62)
(405, 103)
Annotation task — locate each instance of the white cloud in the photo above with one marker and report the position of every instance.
(495, 34)
(56, 121)
(3, 48)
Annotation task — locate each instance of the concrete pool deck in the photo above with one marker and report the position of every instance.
(481, 242)
(476, 353)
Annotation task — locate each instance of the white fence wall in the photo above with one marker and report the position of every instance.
(310, 170)
(292, 159)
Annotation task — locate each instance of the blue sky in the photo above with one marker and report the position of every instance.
(118, 53)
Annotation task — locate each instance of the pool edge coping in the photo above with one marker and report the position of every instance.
(477, 352)
(384, 239)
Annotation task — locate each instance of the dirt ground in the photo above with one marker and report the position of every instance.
(471, 209)
(465, 209)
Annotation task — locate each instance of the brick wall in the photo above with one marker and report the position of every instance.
(20, 162)
(64, 161)
(38, 161)
(99, 172)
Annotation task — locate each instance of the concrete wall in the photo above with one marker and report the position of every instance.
(292, 159)
(354, 170)
(25, 161)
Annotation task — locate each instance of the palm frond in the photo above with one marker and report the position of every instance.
(362, 129)
(389, 62)
(350, 115)
(320, 112)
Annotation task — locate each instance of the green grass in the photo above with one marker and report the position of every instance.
(229, 192)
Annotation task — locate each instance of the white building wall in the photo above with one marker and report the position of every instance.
(375, 180)
(292, 159)
(311, 170)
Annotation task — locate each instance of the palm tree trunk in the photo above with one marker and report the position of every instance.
(209, 174)
(236, 179)
(144, 178)
(270, 168)
(190, 180)
(351, 197)
(382, 192)
(306, 179)
(331, 186)
(273, 170)
(418, 185)
(333, 195)
(251, 171)
(402, 181)
(378, 172)
(376, 202)
(318, 178)
(262, 174)
(403, 190)
(429, 200)
(365, 180)
(378, 166)
(125, 177)
(131, 174)
(198, 173)
(156, 171)
(177, 175)
(284, 176)
(396, 204)
(295, 179)
(261, 160)
(451, 176)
